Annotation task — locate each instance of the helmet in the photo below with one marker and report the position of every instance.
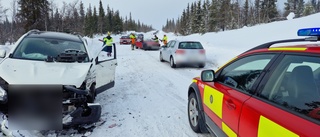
(109, 33)
(164, 35)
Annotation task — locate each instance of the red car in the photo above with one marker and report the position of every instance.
(125, 40)
(265, 92)
(148, 44)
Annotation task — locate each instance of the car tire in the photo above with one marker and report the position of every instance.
(172, 64)
(193, 113)
(201, 65)
(92, 94)
(161, 58)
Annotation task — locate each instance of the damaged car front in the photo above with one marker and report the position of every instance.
(52, 58)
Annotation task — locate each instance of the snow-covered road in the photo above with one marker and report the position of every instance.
(149, 97)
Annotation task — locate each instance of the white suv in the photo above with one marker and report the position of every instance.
(55, 58)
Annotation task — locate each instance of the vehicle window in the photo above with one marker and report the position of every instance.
(172, 44)
(242, 73)
(190, 45)
(295, 84)
(41, 48)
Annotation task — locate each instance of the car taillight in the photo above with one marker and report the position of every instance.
(202, 51)
(179, 51)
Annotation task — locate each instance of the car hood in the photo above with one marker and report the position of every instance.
(17, 71)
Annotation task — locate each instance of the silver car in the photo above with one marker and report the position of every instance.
(180, 53)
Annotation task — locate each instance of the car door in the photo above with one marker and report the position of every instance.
(165, 51)
(289, 101)
(105, 70)
(223, 99)
(172, 49)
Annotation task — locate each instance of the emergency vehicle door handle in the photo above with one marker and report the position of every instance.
(230, 104)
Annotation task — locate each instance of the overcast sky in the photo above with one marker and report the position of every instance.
(151, 12)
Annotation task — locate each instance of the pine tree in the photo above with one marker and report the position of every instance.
(82, 16)
(197, 18)
(204, 14)
(118, 27)
(309, 9)
(257, 12)
(289, 7)
(246, 13)
(101, 19)
(214, 15)
(95, 21)
(35, 17)
(300, 8)
(88, 22)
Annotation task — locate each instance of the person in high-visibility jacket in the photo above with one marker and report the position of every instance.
(165, 39)
(108, 41)
(133, 41)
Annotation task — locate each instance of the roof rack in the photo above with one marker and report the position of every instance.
(269, 44)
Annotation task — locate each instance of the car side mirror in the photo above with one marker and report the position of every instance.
(207, 76)
(2, 53)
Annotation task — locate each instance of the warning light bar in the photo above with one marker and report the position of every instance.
(309, 32)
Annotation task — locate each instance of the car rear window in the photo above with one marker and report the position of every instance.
(190, 45)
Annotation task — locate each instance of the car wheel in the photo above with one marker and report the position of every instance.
(161, 58)
(194, 113)
(172, 63)
(92, 94)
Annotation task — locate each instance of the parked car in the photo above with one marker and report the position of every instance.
(180, 53)
(265, 91)
(125, 40)
(140, 37)
(55, 58)
(148, 44)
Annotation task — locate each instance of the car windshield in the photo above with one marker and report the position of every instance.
(190, 45)
(42, 48)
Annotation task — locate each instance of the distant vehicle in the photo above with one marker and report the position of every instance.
(140, 37)
(148, 44)
(55, 58)
(265, 91)
(180, 53)
(125, 40)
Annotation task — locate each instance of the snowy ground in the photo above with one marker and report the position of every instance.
(150, 98)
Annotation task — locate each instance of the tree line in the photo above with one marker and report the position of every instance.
(71, 17)
(219, 15)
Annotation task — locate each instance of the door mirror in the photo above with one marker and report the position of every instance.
(207, 76)
(2, 53)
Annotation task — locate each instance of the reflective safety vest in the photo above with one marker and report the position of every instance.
(133, 39)
(165, 40)
(108, 41)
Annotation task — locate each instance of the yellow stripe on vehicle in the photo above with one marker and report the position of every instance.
(292, 49)
(213, 100)
(228, 130)
(268, 128)
(226, 64)
(194, 81)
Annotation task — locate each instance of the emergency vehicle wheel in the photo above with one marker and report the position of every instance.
(194, 113)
